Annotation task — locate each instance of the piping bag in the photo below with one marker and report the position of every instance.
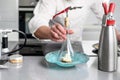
(66, 56)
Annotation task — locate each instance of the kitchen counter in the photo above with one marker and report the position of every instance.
(36, 68)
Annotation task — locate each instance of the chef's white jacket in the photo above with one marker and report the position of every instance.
(46, 9)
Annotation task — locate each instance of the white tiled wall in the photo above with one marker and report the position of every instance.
(91, 32)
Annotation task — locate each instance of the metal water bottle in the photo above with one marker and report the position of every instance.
(107, 54)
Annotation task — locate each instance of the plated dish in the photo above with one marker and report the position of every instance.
(96, 46)
(79, 58)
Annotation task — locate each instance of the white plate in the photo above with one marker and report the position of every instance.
(96, 46)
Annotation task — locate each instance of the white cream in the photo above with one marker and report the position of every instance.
(67, 58)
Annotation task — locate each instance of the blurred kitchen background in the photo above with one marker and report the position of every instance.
(15, 14)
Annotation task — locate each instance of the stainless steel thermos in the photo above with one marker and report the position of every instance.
(107, 53)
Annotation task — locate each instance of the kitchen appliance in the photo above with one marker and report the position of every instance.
(26, 8)
(27, 3)
(107, 54)
(24, 17)
(33, 46)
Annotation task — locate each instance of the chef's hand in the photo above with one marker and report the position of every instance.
(118, 35)
(58, 32)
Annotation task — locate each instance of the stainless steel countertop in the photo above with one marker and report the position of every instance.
(35, 68)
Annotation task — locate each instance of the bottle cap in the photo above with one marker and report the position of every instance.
(110, 22)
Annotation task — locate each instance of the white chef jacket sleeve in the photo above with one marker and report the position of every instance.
(43, 12)
(97, 8)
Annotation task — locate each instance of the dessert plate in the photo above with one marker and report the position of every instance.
(96, 46)
(79, 58)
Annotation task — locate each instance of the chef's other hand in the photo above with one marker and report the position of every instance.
(118, 35)
(58, 32)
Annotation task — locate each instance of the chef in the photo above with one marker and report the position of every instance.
(45, 10)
